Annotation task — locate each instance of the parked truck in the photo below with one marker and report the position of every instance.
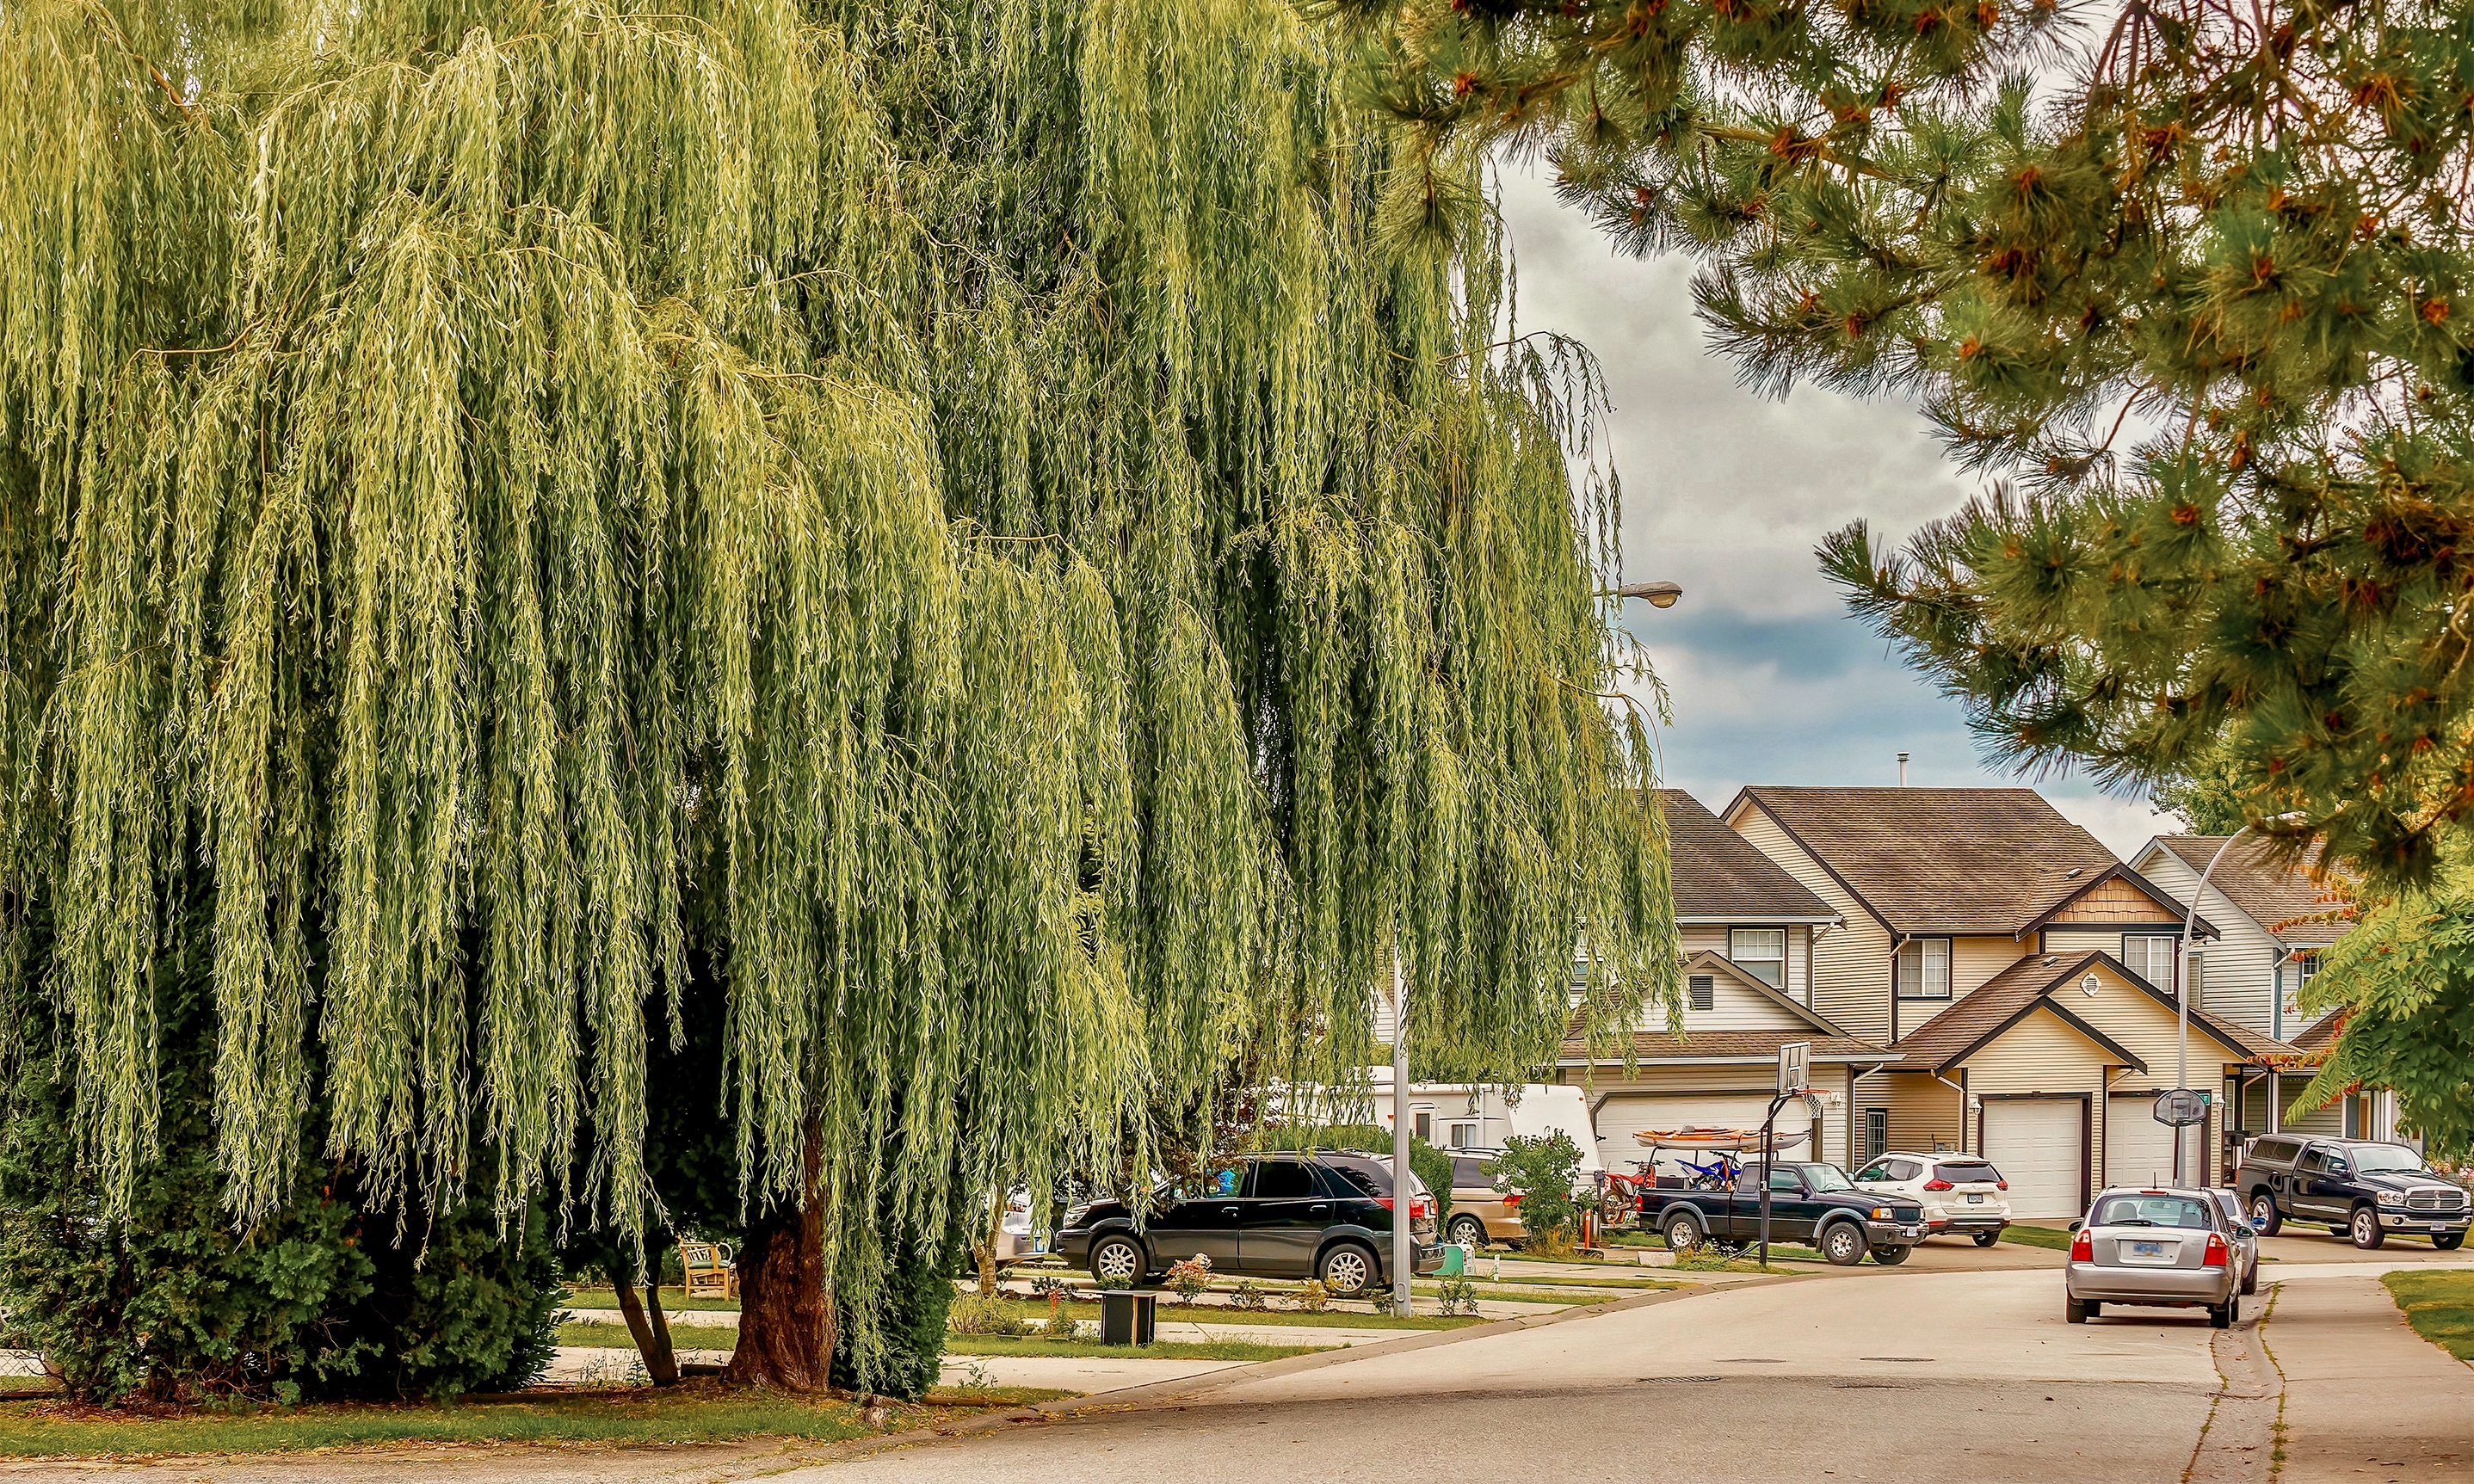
(1810, 1205)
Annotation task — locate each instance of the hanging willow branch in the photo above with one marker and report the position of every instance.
(954, 519)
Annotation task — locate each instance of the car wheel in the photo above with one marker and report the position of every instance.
(2449, 1243)
(2076, 1312)
(1891, 1256)
(1987, 1238)
(2251, 1278)
(2220, 1316)
(1346, 1269)
(1117, 1260)
(1682, 1232)
(1843, 1244)
(2366, 1232)
(2263, 1207)
(1469, 1231)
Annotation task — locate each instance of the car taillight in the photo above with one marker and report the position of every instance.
(1419, 1209)
(1511, 1201)
(2082, 1247)
(2217, 1250)
(1939, 1185)
(2002, 1184)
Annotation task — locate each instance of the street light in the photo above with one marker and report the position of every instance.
(2182, 972)
(1404, 1246)
(1655, 594)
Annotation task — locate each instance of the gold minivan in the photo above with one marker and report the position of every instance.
(1480, 1213)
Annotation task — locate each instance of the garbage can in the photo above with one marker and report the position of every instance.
(1455, 1261)
(1128, 1317)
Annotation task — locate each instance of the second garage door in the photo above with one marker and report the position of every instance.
(1625, 1113)
(2037, 1143)
(2139, 1150)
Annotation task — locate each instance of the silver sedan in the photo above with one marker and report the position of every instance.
(2170, 1249)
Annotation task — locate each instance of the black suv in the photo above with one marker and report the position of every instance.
(1310, 1215)
(2366, 1190)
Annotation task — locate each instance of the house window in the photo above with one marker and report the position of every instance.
(1426, 1124)
(2150, 958)
(1704, 989)
(1461, 1135)
(1760, 951)
(1924, 969)
(1877, 1132)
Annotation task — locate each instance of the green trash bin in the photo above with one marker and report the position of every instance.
(1455, 1261)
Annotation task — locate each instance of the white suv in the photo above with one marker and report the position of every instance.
(1960, 1192)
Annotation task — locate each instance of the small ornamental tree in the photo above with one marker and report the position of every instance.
(1541, 1172)
(2403, 979)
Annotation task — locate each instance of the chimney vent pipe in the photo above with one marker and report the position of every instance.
(1903, 770)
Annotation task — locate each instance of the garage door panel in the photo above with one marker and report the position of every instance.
(2139, 1150)
(1624, 1113)
(2037, 1144)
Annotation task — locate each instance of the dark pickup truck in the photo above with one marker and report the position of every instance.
(1813, 1205)
(2356, 1188)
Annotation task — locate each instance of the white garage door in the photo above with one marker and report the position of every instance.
(2139, 1150)
(2036, 1142)
(1626, 1112)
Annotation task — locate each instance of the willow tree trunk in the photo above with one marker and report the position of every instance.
(785, 1317)
(646, 1322)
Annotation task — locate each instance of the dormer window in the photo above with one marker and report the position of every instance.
(1760, 951)
(1924, 969)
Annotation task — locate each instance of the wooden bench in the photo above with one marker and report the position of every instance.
(708, 1269)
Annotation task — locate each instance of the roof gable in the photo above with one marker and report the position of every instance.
(1939, 860)
(2009, 997)
(2270, 888)
(2090, 903)
(1718, 966)
(1719, 876)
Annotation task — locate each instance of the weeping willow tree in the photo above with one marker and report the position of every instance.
(956, 518)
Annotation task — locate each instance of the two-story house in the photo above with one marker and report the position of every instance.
(2023, 976)
(2276, 921)
(1750, 934)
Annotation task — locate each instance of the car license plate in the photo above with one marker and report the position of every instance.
(1976, 1199)
(1907, 1231)
(2437, 1230)
(2157, 1254)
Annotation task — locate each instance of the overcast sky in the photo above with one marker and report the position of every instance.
(1728, 493)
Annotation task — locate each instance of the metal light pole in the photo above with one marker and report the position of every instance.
(1404, 1244)
(2182, 977)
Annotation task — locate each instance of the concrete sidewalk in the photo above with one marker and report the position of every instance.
(2366, 1398)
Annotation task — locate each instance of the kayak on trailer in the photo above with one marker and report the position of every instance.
(1730, 1140)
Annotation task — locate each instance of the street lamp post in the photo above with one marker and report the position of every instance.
(2182, 979)
(1404, 1244)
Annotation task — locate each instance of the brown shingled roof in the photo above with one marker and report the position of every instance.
(1719, 876)
(1993, 1006)
(1649, 1046)
(1941, 860)
(2270, 890)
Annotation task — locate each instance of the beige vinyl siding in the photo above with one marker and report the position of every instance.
(1923, 1112)
(1850, 964)
(1710, 938)
(1974, 960)
(2237, 976)
(2069, 942)
(2043, 1053)
(1680, 1084)
(1735, 1008)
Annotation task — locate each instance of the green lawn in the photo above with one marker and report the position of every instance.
(13, 1383)
(2052, 1238)
(695, 1413)
(2439, 1306)
(672, 1300)
(1036, 1311)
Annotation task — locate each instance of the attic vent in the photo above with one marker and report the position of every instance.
(2072, 875)
(1705, 989)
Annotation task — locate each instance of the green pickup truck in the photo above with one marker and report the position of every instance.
(1811, 1205)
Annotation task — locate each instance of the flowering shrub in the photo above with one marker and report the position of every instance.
(1188, 1278)
(1313, 1297)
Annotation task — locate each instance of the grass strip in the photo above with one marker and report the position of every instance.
(672, 1300)
(2439, 1306)
(2051, 1238)
(691, 1413)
